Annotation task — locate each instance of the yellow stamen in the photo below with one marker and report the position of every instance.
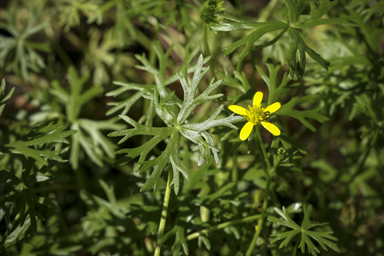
(257, 114)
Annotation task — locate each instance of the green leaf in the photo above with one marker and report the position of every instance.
(140, 130)
(316, 22)
(111, 204)
(89, 134)
(39, 136)
(42, 177)
(26, 211)
(238, 24)
(160, 76)
(25, 198)
(294, 9)
(129, 102)
(69, 12)
(197, 134)
(75, 100)
(190, 102)
(8, 178)
(239, 82)
(302, 115)
(205, 241)
(175, 115)
(103, 56)
(180, 239)
(366, 9)
(323, 238)
(275, 89)
(91, 138)
(299, 48)
(18, 54)
(163, 60)
(319, 11)
(17, 234)
(327, 173)
(158, 163)
(4, 99)
(124, 27)
(260, 28)
(177, 13)
(289, 24)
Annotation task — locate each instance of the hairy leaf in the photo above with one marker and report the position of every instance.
(175, 117)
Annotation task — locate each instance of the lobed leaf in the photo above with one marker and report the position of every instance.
(175, 114)
(254, 36)
(302, 115)
(323, 238)
(39, 136)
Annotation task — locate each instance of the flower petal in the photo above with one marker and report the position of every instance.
(271, 128)
(257, 99)
(238, 110)
(246, 130)
(273, 108)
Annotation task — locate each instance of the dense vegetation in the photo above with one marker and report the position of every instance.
(125, 127)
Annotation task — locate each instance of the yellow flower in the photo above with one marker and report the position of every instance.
(255, 115)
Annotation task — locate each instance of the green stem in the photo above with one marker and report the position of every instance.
(261, 222)
(207, 52)
(265, 203)
(152, 61)
(62, 54)
(239, 65)
(143, 40)
(266, 158)
(235, 168)
(235, 179)
(365, 156)
(222, 225)
(164, 213)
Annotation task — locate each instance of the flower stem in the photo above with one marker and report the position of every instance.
(164, 213)
(239, 65)
(205, 39)
(235, 168)
(266, 158)
(265, 203)
(222, 225)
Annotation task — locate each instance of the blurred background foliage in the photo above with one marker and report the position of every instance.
(72, 66)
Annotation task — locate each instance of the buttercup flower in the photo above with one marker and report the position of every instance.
(255, 115)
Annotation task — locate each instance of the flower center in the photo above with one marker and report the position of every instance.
(256, 115)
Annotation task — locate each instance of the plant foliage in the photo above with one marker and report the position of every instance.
(106, 106)
(323, 238)
(175, 117)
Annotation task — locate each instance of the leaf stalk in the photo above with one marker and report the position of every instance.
(164, 214)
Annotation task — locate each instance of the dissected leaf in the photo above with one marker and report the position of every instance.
(260, 28)
(22, 53)
(39, 136)
(302, 115)
(175, 117)
(323, 238)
